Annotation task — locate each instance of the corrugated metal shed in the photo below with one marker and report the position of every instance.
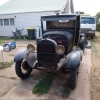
(23, 6)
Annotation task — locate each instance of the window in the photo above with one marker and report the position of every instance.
(87, 20)
(6, 21)
(12, 21)
(1, 22)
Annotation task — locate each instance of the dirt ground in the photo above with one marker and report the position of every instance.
(95, 72)
(13, 88)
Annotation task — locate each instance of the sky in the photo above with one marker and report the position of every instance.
(87, 6)
(3, 1)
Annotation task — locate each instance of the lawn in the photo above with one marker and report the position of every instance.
(3, 40)
(95, 72)
(7, 64)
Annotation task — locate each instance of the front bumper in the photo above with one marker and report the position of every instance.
(89, 33)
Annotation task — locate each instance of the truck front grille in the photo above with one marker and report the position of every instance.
(46, 51)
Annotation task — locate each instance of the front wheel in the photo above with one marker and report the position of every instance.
(73, 79)
(23, 70)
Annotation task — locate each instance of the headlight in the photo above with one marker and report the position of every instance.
(31, 48)
(60, 49)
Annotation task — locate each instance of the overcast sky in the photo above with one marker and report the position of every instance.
(87, 6)
(3, 1)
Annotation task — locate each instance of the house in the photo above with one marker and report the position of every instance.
(26, 13)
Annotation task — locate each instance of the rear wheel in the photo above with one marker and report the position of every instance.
(92, 37)
(23, 70)
(85, 42)
(82, 42)
(73, 79)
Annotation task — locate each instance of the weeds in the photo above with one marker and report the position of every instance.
(6, 65)
(44, 85)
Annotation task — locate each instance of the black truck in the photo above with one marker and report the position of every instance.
(60, 48)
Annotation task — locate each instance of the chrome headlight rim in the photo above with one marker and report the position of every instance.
(60, 49)
(31, 48)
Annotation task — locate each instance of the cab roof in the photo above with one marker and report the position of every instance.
(59, 17)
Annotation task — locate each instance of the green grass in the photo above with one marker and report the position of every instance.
(66, 91)
(2, 76)
(94, 48)
(3, 40)
(6, 65)
(11, 55)
(44, 85)
(22, 46)
(13, 78)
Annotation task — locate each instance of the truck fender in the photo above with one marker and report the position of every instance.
(74, 60)
(20, 55)
(31, 58)
(82, 35)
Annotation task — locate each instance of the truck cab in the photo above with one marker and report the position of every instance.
(88, 26)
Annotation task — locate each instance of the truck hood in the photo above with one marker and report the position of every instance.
(88, 26)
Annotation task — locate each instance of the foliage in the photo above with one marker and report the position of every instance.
(66, 91)
(6, 65)
(98, 27)
(97, 16)
(80, 12)
(44, 85)
(95, 69)
(4, 40)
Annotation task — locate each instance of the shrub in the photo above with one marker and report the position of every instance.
(98, 27)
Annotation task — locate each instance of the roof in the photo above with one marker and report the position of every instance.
(88, 16)
(59, 17)
(23, 6)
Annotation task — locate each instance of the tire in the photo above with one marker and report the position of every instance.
(86, 42)
(73, 79)
(92, 37)
(82, 42)
(19, 72)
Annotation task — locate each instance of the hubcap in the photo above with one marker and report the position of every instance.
(25, 67)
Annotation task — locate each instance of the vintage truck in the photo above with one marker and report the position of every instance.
(58, 49)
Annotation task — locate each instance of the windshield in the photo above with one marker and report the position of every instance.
(60, 24)
(87, 20)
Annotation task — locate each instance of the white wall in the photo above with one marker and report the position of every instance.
(69, 8)
(6, 30)
(25, 20)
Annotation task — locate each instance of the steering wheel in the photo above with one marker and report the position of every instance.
(52, 26)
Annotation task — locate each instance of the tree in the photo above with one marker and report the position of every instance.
(80, 12)
(97, 16)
